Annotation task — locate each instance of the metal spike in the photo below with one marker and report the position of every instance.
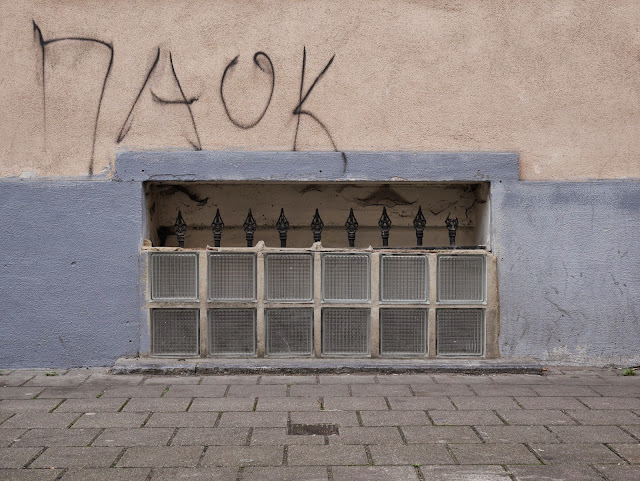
(283, 226)
(419, 223)
(385, 225)
(352, 226)
(216, 226)
(249, 228)
(316, 227)
(452, 226)
(180, 228)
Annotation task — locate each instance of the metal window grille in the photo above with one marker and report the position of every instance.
(345, 331)
(403, 332)
(175, 332)
(460, 332)
(174, 276)
(404, 278)
(232, 277)
(232, 331)
(289, 332)
(461, 278)
(289, 277)
(346, 277)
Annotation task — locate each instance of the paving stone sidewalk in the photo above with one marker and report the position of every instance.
(569, 424)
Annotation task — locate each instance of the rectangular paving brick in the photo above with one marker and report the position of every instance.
(210, 437)
(110, 420)
(440, 434)
(614, 472)
(441, 390)
(355, 403)
(617, 390)
(58, 437)
(394, 418)
(288, 404)
(604, 417)
(404, 379)
(342, 418)
(466, 473)
(279, 437)
(83, 391)
(288, 380)
(592, 434)
(182, 420)
(366, 435)
(68, 457)
(189, 391)
(134, 437)
(244, 456)
(556, 390)
(216, 404)
(503, 390)
(317, 390)
(253, 419)
(634, 429)
(232, 379)
(21, 392)
(612, 402)
(170, 380)
(337, 455)
(158, 405)
(517, 434)
(14, 379)
(394, 390)
(557, 402)
(194, 474)
(374, 473)
(106, 379)
(558, 472)
(30, 474)
(420, 403)
(542, 417)
(493, 453)
(486, 402)
(16, 457)
(462, 379)
(84, 405)
(40, 420)
(250, 391)
(31, 405)
(70, 379)
(583, 453)
(161, 456)
(9, 436)
(285, 473)
(107, 474)
(133, 391)
(464, 418)
(350, 379)
(412, 454)
(629, 451)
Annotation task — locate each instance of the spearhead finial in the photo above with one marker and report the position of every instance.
(316, 227)
(216, 226)
(419, 223)
(283, 226)
(385, 226)
(452, 226)
(249, 228)
(352, 226)
(180, 228)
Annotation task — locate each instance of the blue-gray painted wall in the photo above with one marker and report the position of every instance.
(72, 292)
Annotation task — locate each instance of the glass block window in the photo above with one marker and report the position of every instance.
(404, 278)
(174, 276)
(345, 331)
(460, 332)
(232, 277)
(289, 277)
(289, 332)
(403, 332)
(346, 277)
(232, 331)
(461, 278)
(175, 332)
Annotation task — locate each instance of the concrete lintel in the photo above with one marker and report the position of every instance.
(316, 166)
(324, 366)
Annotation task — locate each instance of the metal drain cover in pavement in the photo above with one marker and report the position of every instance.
(312, 429)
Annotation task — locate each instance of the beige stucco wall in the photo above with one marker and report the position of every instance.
(557, 81)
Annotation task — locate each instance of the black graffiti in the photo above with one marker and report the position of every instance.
(228, 69)
(299, 110)
(43, 44)
(126, 126)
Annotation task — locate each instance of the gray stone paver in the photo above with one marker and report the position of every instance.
(581, 422)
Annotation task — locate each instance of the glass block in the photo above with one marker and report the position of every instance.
(345, 331)
(175, 332)
(346, 277)
(289, 332)
(461, 278)
(404, 278)
(289, 277)
(403, 332)
(460, 332)
(232, 277)
(174, 276)
(232, 331)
